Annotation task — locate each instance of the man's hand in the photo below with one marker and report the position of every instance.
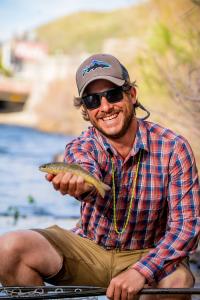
(125, 285)
(68, 183)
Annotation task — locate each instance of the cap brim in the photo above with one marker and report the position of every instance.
(114, 80)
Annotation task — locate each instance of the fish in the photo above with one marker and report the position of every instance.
(58, 167)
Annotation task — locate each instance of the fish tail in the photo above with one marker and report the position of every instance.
(105, 186)
(102, 188)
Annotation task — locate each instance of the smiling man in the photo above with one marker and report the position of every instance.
(141, 233)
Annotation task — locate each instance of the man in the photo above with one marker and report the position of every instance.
(140, 233)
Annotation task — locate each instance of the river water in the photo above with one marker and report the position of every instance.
(22, 151)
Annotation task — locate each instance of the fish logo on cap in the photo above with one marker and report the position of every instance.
(94, 65)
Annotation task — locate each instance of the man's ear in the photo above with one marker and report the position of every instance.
(133, 94)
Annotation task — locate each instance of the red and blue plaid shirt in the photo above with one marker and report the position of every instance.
(165, 213)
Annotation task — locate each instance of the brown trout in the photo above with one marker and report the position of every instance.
(58, 167)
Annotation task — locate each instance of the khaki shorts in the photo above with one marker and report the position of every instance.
(85, 262)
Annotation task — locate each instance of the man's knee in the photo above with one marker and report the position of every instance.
(29, 248)
(11, 243)
(10, 252)
(18, 244)
(181, 278)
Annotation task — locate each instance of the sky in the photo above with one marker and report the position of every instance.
(17, 16)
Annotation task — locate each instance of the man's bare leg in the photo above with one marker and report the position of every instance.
(26, 257)
(181, 278)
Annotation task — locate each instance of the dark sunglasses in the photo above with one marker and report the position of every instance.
(113, 95)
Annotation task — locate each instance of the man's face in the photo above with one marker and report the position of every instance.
(111, 119)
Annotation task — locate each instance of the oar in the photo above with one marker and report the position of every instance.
(55, 292)
(188, 291)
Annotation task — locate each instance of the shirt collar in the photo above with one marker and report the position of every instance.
(141, 137)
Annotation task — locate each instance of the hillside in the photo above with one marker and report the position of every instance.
(86, 31)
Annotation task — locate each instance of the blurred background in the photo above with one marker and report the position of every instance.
(41, 45)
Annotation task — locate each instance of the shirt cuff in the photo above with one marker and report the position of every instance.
(145, 271)
(153, 275)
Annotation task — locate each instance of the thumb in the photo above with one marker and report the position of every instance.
(49, 177)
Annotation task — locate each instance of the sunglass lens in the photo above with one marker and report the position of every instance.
(92, 101)
(114, 95)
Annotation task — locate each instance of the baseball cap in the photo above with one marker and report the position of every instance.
(100, 66)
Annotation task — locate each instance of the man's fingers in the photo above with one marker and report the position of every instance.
(72, 185)
(110, 291)
(118, 292)
(114, 291)
(126, 285)
(68, 183)
(57, 180)
(131, 293)
(124, 295)
(65, 182)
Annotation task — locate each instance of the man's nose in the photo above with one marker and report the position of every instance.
(105, 105)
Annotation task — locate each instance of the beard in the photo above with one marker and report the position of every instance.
(124, 129)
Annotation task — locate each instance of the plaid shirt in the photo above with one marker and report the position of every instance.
(166, 207)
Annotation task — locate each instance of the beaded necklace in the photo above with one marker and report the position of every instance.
(132, 196)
